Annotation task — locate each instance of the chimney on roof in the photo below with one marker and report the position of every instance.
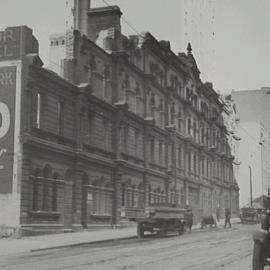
(209, 85)
(165, 44)
(104, 27)
(81, 8)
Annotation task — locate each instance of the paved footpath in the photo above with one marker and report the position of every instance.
(43, 242)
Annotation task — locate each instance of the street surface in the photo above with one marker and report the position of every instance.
(208, 249)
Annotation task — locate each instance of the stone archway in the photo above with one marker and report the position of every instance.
(46, 196)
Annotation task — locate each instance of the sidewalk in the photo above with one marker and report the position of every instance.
(35, 243)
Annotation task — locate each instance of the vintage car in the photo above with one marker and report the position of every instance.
(249, 215)
(160, 219)
(261, 249)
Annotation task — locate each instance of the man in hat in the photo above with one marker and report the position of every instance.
(189, 219)
(227, 218)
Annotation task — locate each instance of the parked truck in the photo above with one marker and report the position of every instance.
(160, 219)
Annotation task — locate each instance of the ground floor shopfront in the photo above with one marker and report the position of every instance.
(66, 191)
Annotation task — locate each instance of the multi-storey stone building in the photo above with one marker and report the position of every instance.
(231, 121)
(130, 125)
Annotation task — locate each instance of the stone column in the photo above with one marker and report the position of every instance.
(146, 190)
(116, 214)
(77, 212)
(79, 124)
(186, 193)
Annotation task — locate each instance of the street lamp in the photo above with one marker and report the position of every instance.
(261, 144)
(250, 183)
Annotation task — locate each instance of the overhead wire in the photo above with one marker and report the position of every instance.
(253, 138)
(125, 21)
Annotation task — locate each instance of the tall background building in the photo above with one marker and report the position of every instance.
(254, 152)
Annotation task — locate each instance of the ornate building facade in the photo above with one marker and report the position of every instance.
(231, 121)
(130, 125)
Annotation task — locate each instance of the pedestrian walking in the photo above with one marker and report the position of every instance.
(189, 219)
(218, 213)
(214, 219)
(227, 218)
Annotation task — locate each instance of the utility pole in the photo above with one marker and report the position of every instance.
(250, 183)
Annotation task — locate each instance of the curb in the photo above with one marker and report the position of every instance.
(83, 243)
(91, 243)
(196, 228)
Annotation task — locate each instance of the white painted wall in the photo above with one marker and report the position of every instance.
(57, 53)
(249, 155)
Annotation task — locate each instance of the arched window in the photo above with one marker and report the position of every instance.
(47, 174)
(179, 119)
(172, 195)
(195, 162)
(152, 104)
(128, 194)
(213, 136)
(150, 195)
(161, 112)
(35, 203)
(163, 197)
(133, 191)
(194, 129)
(202, 134)
(189, 125)
(123, 194)
(179, 89)
(54, 192)
(141, 195)
(204, 203)
(158, 195)
(182, 195)
(172, 113)
(138, 101)
(152, 149)
(187, 94)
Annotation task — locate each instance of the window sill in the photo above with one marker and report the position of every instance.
(100, 215)
(100, 218)
(45, 213)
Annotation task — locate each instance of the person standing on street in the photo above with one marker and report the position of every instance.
(218, 213)
(189, 219)
(227, 218)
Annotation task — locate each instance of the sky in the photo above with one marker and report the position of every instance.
(241, 45)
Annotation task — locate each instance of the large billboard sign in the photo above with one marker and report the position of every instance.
(7, 125)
